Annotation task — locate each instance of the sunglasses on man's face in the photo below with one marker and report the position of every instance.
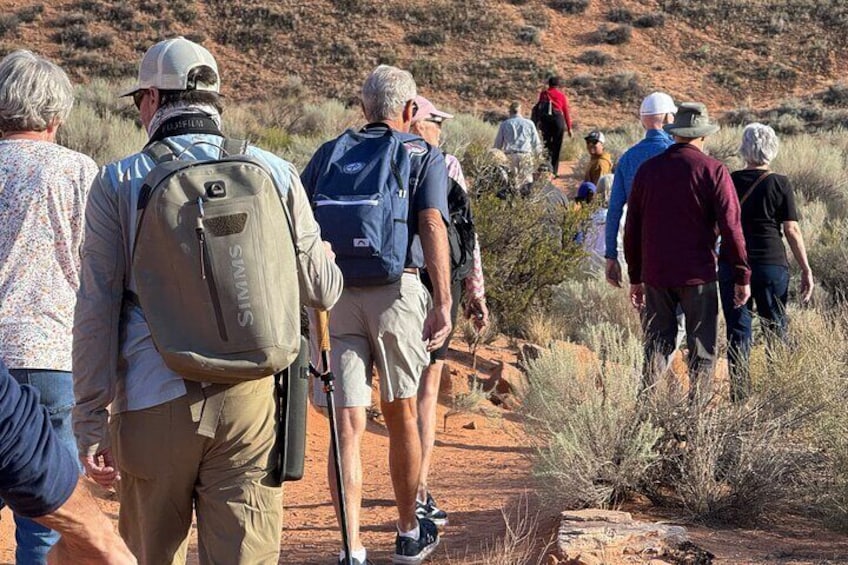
(137, 97)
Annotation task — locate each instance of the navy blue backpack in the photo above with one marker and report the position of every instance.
(361, 202)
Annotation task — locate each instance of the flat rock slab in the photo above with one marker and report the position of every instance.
(606, 537)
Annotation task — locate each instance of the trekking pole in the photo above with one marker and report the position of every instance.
(326, 375)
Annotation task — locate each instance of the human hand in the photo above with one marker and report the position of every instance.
(637, 296)
(437, 326)
(741, 294)
(570, 133)
(807, 286)
(328, 249)
(101, 468)
(478, 313)
(613, 272)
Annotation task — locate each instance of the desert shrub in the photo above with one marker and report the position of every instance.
(468, 137)
(79, 37)
(426, 71)
(739, 117)
(613, 35)
(535, 17)
(426, 37)
(29, 14)
(527, 248)
(619, 16)
(817, 171)
(829, 258)
(324, 120)
(727, 78)
(184, 12)
(624, 87)
(593, 448)
(8, 23)
(529, 34)
(104, 138)
(579, 305)
(569, 6)
(594, 57)
(836, 95)
(654, 19)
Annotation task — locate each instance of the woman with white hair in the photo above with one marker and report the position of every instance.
(768, 211)
(43, 189)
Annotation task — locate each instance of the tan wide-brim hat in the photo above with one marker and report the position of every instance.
(692, 121)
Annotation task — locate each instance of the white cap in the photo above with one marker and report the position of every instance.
(166, 66)
(657, 103)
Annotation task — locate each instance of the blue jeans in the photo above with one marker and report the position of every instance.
(56, 390)
(769, 292)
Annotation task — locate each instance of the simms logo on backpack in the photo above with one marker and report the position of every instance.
(214, 266)
(361, 202)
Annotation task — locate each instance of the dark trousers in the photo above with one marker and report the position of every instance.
(659, 324)
(553, 128)
(769, 292)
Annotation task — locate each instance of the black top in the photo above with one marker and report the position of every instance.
(763, 214)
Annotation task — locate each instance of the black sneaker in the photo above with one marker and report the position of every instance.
(430, 511)
(410, 551)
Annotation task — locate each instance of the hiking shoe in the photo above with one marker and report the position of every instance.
(430, 511)
(410, 551)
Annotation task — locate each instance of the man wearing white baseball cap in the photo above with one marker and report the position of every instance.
(657, 109)
(179, 447)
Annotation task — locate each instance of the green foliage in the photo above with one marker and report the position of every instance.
(594, 57)
(527, 247)
(654, 19)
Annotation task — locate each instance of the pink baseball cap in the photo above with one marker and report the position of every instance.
(426, 111)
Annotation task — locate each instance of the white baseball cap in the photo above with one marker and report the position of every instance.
(657, 103)
(166, 66)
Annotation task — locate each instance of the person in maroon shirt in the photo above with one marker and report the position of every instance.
(681, 200)
(553, 117)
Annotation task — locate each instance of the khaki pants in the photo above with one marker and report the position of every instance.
(167, 470)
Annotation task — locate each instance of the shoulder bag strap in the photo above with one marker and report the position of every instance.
(761, 178)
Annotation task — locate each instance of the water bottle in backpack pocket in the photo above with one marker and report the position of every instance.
(361, 202)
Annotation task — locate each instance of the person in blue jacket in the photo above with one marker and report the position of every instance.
(39, 479)
(657, 109)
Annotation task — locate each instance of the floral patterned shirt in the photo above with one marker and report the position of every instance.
(43, 189)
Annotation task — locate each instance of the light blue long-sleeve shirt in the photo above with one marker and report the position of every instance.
(655, 142)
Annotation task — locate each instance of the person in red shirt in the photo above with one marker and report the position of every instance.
(553, 117)
(680, 201)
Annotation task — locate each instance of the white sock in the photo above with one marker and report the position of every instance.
(412, 534)
(358, 554)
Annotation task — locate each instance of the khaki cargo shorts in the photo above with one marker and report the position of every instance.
(377, 326)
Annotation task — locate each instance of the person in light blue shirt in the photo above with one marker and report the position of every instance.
(657, 109)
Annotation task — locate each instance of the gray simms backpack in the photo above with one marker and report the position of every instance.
(214, 265)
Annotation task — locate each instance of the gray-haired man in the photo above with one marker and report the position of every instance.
(391, 326)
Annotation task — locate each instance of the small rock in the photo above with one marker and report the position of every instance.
(530, 352)
(472, 425)
(507, 379)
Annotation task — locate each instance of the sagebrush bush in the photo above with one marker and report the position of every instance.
(593, 448)
(569, 6)
(613, 35)
(578, 305)
(619, 16)
(529, 34)
(594, 57)
(655, 19)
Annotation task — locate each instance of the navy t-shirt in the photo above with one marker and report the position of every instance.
(428, 181)
(770, 204)
(37, 473)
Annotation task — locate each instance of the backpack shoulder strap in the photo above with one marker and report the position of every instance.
(231, 147)
(750, 190)
(160, 152)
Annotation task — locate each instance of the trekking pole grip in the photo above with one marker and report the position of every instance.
(323, 328)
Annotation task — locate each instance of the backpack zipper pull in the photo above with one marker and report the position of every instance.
(201, 238)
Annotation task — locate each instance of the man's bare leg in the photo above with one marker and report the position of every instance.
(404, 456)
(428, 398)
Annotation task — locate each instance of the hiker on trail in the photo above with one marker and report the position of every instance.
(43, 190)
(600, 162)
(427, 123)
(592, 237)
(518, 138)
(39, 478)
(657, 109)
(551, 113)
(768, 211)
(384, 318)
(550, 193)
(680, 200)
(174, 443)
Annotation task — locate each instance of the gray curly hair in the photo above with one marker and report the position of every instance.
(33, 92)
(759, 144)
